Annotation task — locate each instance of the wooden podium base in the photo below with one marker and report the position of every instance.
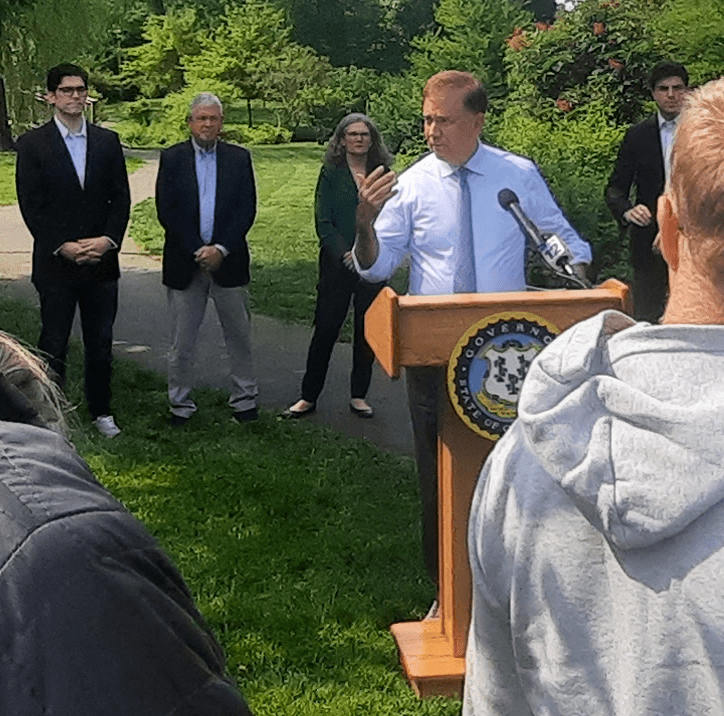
(427, 659)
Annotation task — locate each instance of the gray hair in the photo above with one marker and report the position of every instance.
(205, 99)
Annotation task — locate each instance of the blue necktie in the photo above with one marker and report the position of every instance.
(464, 280)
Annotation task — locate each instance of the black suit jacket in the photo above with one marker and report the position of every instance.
(57, 209)
(640, 163)
(177, 203)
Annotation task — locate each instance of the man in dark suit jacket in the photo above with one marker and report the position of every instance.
(206, 202)
(74, 197)
(643, 161)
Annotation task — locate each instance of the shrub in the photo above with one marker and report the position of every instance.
(260, 134)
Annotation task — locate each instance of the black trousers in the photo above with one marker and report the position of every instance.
(337, 285)
(98, 303)
(650, 289)
(423, 386)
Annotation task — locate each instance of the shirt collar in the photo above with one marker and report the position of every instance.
(663, 121)
(204, 152)
(474, 164)
(65, 132)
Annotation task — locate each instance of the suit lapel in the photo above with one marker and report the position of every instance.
(655, 137)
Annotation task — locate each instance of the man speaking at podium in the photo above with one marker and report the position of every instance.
(597, 528)
(443, 213)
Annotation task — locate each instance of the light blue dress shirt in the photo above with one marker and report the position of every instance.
(421, 222)
(77, 144)
(206, 179)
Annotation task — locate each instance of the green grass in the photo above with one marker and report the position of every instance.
(300, 546)
(7, 176)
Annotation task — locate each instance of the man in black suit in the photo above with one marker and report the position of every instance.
(73, 192)
(643, 161)
(206, 202)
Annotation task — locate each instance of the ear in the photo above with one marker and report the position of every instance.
(480, 121)
(668, 238)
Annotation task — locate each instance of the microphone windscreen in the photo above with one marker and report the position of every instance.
(506, 197)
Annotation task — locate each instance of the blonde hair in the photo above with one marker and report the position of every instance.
(696, 182)
(26, 388)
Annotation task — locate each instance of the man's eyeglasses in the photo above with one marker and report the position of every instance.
(70, 91)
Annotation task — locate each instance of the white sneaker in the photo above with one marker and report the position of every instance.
(106, 425)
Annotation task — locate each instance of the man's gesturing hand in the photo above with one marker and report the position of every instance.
(374, 190)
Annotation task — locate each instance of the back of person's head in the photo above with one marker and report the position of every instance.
(66, 69)
(667, 69)
(476, 98)
(697, 175)
(27, 394)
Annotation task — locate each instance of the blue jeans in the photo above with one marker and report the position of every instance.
(98, 303)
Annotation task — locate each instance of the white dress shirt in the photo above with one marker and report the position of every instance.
(422, 221)
(77, 143)
(667, 130)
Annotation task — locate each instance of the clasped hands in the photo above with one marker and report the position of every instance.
(639, 215)
(86, 251)
(208, 258)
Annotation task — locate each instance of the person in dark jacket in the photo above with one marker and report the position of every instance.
(96, 618)
(73, 193)
(643, 161)
(355, 149)
(206, 203)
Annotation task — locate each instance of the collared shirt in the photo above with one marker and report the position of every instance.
(77, 143)
(421, 221)
(206, 179)
(667, 130)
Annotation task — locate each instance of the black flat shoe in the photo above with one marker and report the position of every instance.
(289, 413)
(366, 412)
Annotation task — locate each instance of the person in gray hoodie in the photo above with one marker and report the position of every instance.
(597, 527)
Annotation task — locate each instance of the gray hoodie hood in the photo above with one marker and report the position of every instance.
(644, 457)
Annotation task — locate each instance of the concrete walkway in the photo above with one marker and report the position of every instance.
(142, 334)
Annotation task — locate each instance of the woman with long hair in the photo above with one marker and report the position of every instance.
(355, 149)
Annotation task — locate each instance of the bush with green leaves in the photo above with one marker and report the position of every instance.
(576, 154)
(260, 134)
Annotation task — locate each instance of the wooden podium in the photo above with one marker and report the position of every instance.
(424, 331)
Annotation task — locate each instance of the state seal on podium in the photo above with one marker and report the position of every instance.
(487, 367)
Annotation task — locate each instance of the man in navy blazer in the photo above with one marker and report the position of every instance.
(73, 193)
(206, 203)
(643, 161)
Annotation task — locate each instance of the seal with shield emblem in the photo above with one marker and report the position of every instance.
(487, 367)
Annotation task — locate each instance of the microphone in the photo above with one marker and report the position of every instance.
(551, 247)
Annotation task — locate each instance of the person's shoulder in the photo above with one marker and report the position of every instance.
(37, 134)
(649, 124)
(177, 149)
(41, 471)
(235, 151)
(503, 159)
(101, 131)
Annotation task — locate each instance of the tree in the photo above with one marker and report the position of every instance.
(364, 33)
(471, 36)
(157, 66)
(36, 34)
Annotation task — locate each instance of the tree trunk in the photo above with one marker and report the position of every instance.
(6, 138)
(248, 108)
